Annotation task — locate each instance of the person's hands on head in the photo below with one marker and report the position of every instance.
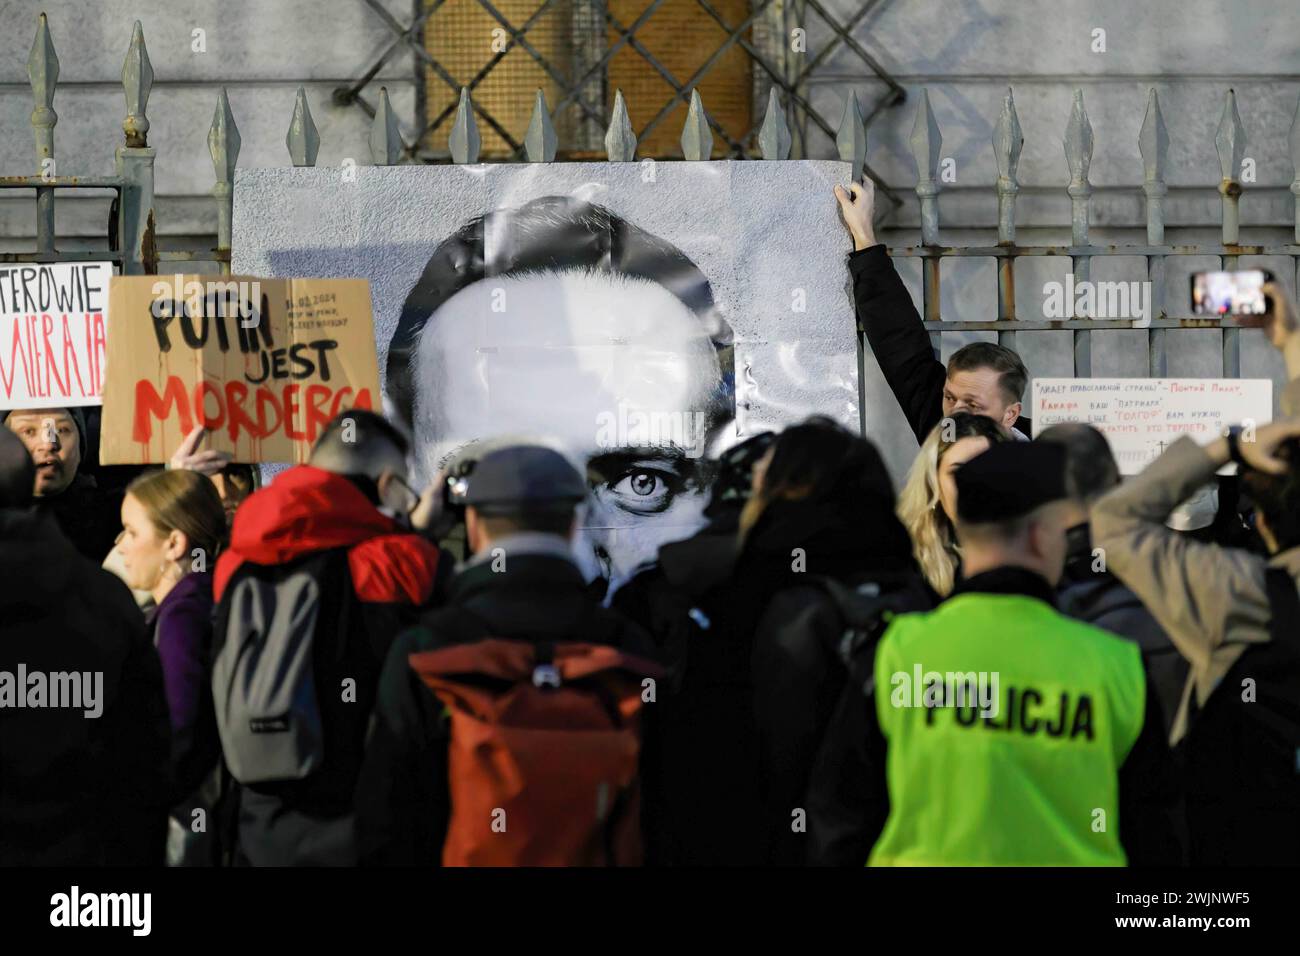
(857, 206)
(207, 462)
(1261, 454)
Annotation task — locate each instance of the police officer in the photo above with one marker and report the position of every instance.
(994, 730)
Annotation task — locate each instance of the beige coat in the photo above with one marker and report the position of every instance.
(1210, 600)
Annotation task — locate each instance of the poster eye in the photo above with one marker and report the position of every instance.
(645, 489)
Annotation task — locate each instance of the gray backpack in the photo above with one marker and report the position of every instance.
(263, 673)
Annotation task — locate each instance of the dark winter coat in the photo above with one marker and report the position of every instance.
(403, 802)
(712, 741)
(394, 574)
(1103, 600)
(89, 516)
(77, 790)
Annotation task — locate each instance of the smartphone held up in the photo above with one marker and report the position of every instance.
(1238, 296)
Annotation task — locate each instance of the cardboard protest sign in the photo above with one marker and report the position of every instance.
(53, 325)
(264, 364)
(1141, 417)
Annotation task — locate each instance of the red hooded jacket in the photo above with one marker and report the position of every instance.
(308, 509)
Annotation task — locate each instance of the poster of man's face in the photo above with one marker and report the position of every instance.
(633, 321)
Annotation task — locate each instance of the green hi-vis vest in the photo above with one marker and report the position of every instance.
(1019, 765)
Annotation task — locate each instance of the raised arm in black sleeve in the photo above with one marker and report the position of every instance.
(897, 338)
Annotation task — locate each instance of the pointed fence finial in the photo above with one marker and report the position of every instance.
(385, 138)
(1153, 143)
(620, 140)
(43, 71)
(697, 138)
(1078, 155)
(223, 145)
(851, 138)
(302, 139)
(223, 139)
(774, 137)
(137, 81)
(927, 142)
(1008, 140)
(464, 140)
(540, 140)
(1230, 141)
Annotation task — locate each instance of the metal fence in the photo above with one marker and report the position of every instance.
(132, 229)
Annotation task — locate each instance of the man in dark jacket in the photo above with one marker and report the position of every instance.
(357, 468)
(1088, 590)
(84, 735)
(522, 584)
(981, 378)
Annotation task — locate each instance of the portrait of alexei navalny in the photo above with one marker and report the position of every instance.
(559, 320)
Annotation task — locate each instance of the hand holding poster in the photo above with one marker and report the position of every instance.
(53, 325)
(1141, 417)
(264, 364)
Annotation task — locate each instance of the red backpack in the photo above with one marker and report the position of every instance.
(544, 752)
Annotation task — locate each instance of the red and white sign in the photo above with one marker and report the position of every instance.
(53, 332)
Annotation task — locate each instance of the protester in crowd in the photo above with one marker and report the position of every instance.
(84, 779)
(928, 501)
(55, 438)
(323, 570)
(529, 768)
(814, 516)
(657, 597)
(981, 378)
(173, 528)
(233, 482)
(1232, 614)
(88, 515)
(1089, 591)
(819, 476)
(1049, 724)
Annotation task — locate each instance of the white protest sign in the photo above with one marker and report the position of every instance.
(53, 331)
(1141, 417)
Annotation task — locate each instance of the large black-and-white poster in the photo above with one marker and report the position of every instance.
(641, 316)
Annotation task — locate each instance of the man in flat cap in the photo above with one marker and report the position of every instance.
(508, 671)
(994, 730)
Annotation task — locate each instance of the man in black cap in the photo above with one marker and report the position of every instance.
(523, 605)
(994, 730)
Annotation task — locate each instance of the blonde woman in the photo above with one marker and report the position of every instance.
(928, 500)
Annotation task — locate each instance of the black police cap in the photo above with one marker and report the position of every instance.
(524, 477)
(1010, 480)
